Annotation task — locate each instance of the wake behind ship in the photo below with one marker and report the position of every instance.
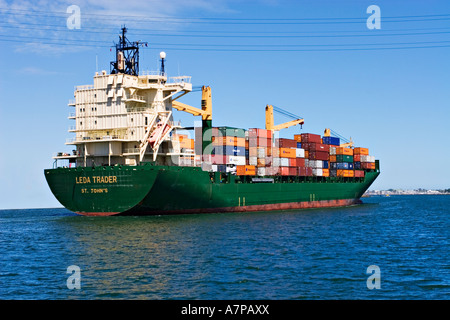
(131, 157)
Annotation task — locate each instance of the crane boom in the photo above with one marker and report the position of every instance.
(205, 111)
(270, 124)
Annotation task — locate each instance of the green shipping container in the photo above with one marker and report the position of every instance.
(344, 158)
(229, 132)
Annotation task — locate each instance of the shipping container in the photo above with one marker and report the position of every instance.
(253, 161)
(261, 152)
(350, 166)
(333, 173)
(344, 151)
(269, 161)
(356, 157)
(300, 162)
(304, 171)
(344, 158)
(299, 153)
(229, 151)
(299, 145)
(228, 132)
(342, 165)
(318, 155)
(359, 173)
(261, 171)
(259, 142)
(325, 165)
(345, 173)
(312, 146)
(363, 151)
(333, 158)
(285, 143)
(263, 133)
(325, 172)
(332, 151)
(331, 141)
(317, 172)
(246, 170)
(219, 159)
(310, 137)
(368, 165)
(236, 160)
(284, 171)
(260, 162)
(298, 138)
(287, 153)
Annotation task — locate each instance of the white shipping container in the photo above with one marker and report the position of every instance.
(300, 153)
(276, 162)
(332, 151)
(317, 172)
(261, 152)
(253, 161)
(284, 162)
(261, 171)
(236, 160)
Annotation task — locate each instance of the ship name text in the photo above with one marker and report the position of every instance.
(96, 179)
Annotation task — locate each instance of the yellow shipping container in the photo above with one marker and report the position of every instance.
(287, 153)
(246, 170)
(344, 151)
(363, 151)
(298, 137)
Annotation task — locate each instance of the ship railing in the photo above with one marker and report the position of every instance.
(136, 97)
(149, 73)
(72, 128)
(132, 150)
(72, 102)
(84, 87)
(179, 79)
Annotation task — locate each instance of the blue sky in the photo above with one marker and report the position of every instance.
(386, 88)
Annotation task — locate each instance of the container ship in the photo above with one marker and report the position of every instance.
(130, 157)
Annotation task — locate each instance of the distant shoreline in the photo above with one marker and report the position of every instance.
(393, 192)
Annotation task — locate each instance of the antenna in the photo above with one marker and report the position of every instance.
(162, 55)
(127, 55)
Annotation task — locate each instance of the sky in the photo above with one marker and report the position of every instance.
(379, 77)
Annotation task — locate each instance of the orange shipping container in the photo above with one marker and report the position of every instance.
(363, 151)
(344, 151)
(345, 173)
(332, 158)
(239, 142)
(325, 172)
(298, 137)
(246, 170)
(287, 153)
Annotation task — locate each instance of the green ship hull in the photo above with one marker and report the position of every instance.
(156, 190)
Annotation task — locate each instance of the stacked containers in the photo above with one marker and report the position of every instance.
(228, 146)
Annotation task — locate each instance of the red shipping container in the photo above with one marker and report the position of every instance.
(305, 171)
(357, 158)
(318, 147)
(318, 155)
(292, 171)
(300, 162)
(293, 162)
(284, 171)
(218, 159)
(310, 137)
(285, 143)
(259, 142)
(359, 173)
(263, 133)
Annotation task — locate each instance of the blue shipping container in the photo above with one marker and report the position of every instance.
(229, 151)
(342, 165)
(357, 165)
(299, 144)
(325, 164)
(350, 165)
(331, 140)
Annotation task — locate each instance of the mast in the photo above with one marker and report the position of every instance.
(127, 55)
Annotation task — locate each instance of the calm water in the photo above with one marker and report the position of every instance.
(312, 254)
